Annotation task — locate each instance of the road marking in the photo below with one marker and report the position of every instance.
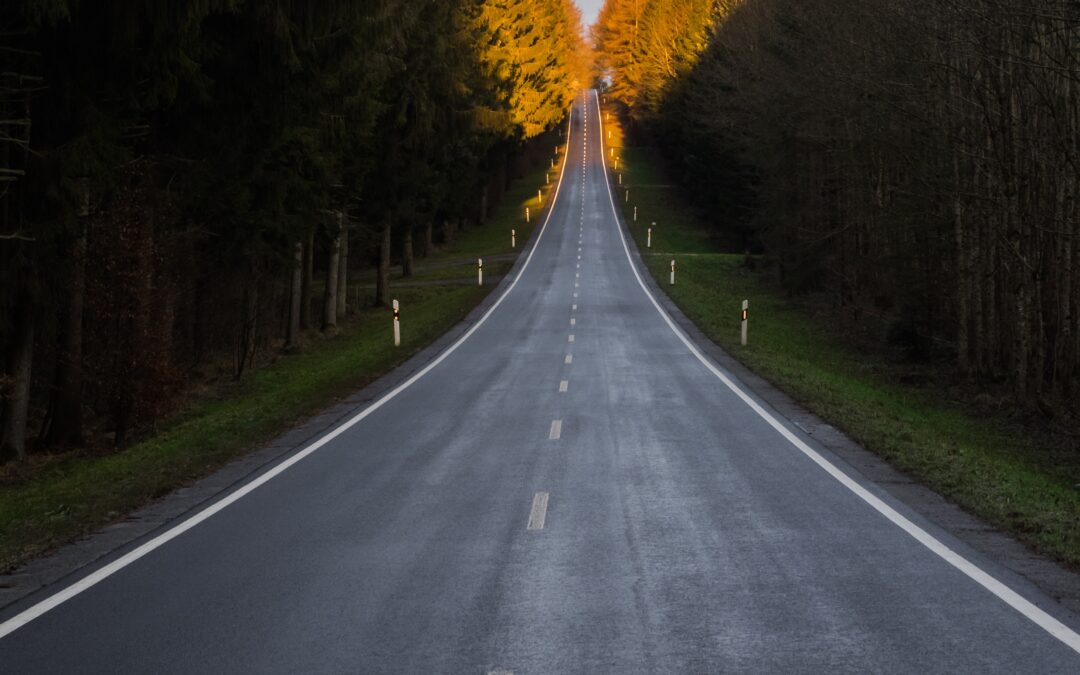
(573, 308)
(573, 321)
(97, 576)
(571, 338)
(576, 285)
(556, 430)
(1010, 597)
(538, 513)
(575, 295)
(569, 358)
(563, 385)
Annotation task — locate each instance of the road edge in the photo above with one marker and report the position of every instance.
(20, 589)
(996, 546)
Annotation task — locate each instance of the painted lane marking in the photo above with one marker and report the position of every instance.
(555, 433)
(563, 386)
(569, 358)
(1021, 604)
(573, 308)
(538, 513)
(571, 338)
(573, 321)
(97, 576)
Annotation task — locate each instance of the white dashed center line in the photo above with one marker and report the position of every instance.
(539, 511)
(556, 430)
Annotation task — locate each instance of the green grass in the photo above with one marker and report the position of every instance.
(1004, 477)
(54, 500)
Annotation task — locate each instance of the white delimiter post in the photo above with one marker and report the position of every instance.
(628, 196)
(526, 214)
(480, 271)
(620, 179)
(635, 214)
(648, 238)
(745, 319)
(672, 272)
(513, 239)
(397, 325)
(539, 195)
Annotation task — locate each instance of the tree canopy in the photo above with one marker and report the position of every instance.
(917, 161)
(189, 145)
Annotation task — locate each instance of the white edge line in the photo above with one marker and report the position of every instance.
(1048, 623)
(97, 576)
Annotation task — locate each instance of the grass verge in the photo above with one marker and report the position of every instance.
(1004, 477)
(44, 506)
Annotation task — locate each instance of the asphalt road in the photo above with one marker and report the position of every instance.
(571, 489)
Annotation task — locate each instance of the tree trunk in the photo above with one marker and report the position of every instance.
(382, 280)
(407, 254)
(329, 319)
(343, 272)
(65, 423)
(13, 438)
(308, 277)
(245, 344)
(296, 284)
(963, 275)
(135, 359)
(201, 324)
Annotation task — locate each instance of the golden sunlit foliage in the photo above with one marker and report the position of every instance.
(644, 46)
(534, 51)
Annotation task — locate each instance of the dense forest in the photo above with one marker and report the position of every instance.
(917, 161)
(180, 179)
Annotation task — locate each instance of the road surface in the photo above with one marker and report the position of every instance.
(570, 488)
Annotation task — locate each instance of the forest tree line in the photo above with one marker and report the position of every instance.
(179, 177)
(916, 160)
